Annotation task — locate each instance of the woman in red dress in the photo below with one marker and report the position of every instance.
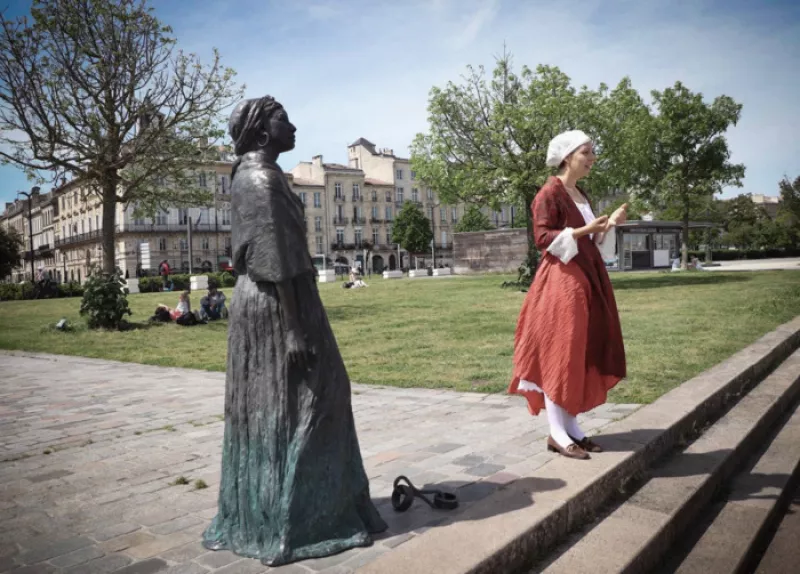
(568, 349)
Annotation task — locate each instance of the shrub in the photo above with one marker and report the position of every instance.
(105, 301)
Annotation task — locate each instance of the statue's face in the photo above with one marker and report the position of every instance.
(281, 131)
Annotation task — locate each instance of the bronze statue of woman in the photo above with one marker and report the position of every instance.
(293, 482)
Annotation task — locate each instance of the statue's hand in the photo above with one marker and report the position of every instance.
(297, 352)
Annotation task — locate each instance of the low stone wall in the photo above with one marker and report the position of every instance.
(496, 251)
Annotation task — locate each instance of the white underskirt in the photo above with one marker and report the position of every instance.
(529, 386)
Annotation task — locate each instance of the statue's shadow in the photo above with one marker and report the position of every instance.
(507, 498)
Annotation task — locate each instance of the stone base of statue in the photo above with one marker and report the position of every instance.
(198, 282)
(327, 276)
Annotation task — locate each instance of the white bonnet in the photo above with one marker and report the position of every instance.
(564, 144)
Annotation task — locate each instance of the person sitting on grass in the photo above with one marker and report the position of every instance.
(212, 306)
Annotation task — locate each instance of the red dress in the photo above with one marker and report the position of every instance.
(568, 339)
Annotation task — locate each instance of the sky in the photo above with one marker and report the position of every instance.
(363, 68)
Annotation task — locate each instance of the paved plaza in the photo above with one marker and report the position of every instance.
(91, 451)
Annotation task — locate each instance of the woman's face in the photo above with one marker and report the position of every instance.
(581, 160)
(281, 131)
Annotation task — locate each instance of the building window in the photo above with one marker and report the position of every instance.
(204, 243)
(337, 191)
(302, 196)
(205, 215)
(340, 236)
(389, 236)
(374, 195)
(162, 243)
(161, 217)
(358, 237)
(356, 191)
(413, 175)
(201, 179)
(388, 213)
(398, 194)
(375, 235)
(340, 212)
(430, 213)
(388, 195)
(453, 215)
(442, 215)
(97, 221)
(89, 221)
(317, 199)
(399, 173)
(414, 194)
(184, 245)
(430, 193)
(223, 184)
(375, 213)
(444, 239)
(318, 223)
(183, 216)
(226, 216)
(319, 244)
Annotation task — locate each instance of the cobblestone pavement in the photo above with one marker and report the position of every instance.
(91, 451)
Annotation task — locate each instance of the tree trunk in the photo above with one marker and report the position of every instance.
(685, 240)
(109, 224)
(532, 258)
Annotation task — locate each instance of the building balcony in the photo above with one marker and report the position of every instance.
(357, 198)
(172, 227)
(91, 236)
(336, 246)
(340, 220)
(399, 203)
(339, 198)
(359, 220)
(375, 220)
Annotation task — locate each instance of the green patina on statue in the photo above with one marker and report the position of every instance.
(293, 482)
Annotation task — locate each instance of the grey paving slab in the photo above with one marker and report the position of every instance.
(105, 497)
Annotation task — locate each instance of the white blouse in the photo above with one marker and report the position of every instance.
(565, 247)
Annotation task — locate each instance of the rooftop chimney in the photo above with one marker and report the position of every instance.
(317, 160)
(35, 190)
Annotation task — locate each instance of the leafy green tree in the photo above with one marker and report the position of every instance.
(105, 301)
(412, 230)
(10, 251)
(789, 211)
(96, 90)
(691, 163)
(474, 220)
(487, 138)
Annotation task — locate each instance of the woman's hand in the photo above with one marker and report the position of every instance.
(619, 216)
(297, 353)
(599, 225)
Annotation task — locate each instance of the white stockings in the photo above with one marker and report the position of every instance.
(562, 424)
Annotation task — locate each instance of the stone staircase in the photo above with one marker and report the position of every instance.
(698, 480)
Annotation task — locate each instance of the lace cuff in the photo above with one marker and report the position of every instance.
(564, 246)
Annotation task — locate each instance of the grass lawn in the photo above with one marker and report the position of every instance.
(455, 333)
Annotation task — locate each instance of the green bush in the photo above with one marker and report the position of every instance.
(105, 301)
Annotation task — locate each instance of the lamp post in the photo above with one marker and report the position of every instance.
(30, 224)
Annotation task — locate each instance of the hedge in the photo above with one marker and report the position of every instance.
(20, 291)
(181, 282)
(735, 254)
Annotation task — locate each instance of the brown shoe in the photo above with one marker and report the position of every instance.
(572, 451)
(587, 444)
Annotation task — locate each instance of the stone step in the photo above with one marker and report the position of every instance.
(638, 534)
(783, 554)
(754, 506)
(524, 520)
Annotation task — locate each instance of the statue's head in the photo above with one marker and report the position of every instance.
(261, 124)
